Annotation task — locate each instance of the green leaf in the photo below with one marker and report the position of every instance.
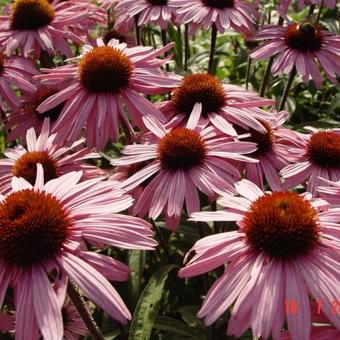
(136, 264)
(165, 323)
(148, 305)
(178, 50)
(188, 314)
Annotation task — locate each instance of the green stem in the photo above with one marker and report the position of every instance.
(319, 13)
(287, 89)
(137, 31)
(161, 240)
(186, 47)
(83, 311)
(268, 69)
(163, 34)
(248, 72)
(311, 10)
(212, 49)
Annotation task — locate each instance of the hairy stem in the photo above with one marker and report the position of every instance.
(161, 240)
(186, 47)
(248, 72)
(163, 33)
(268, 69)
(137, 31)
(212, 49)
(287, 89)
(83, 311)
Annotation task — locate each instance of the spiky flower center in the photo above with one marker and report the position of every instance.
(181, 149)
(281, 224)
(2, 62)
(33, 227)
(31, 14)
(26, 166)
(264, 141)
(323, 149)
(304, 37)
(157, 2)
(105, 69)
(203, 88)
(219, 3)
(113, 34)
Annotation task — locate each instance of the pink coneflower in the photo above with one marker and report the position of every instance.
(153, 12)
(328, 3)
(316, 155)
(20, 120)
(222, 104)
(330, 192)
(35, 25)
(95, 15)
(106, 77)
(74, 326)
(34, 244)
(284, 4)
(300, 46)
(56, 159)
(14, 71)
(270, 153)
(123, 38)
(184, 161)
(225, 14)
(283, 251)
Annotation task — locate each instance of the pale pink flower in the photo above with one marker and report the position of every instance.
(35, 25)
(316, 155)
(106, 77)
(223, 105)
(95, 15)
(27, 116)
(328, 3)
(57, 159)
(285, 250)
(74, 326)
(284, 4)
(34, 244)
(153, 12)
(330, 192)
(271, 149)
(225, 14)
(15, 71)
(183, 161)
(300, 46)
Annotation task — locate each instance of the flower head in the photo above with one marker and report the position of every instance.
(285, 250)
(105, 77)
(35, 25)
(271, 152)
(300, 46)
(183, 161)
(225, 14)
(45, 229)
(316, 155)
(153, 12)
(15, 71)
(223, 105)
(27, 116)
(55, 158)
